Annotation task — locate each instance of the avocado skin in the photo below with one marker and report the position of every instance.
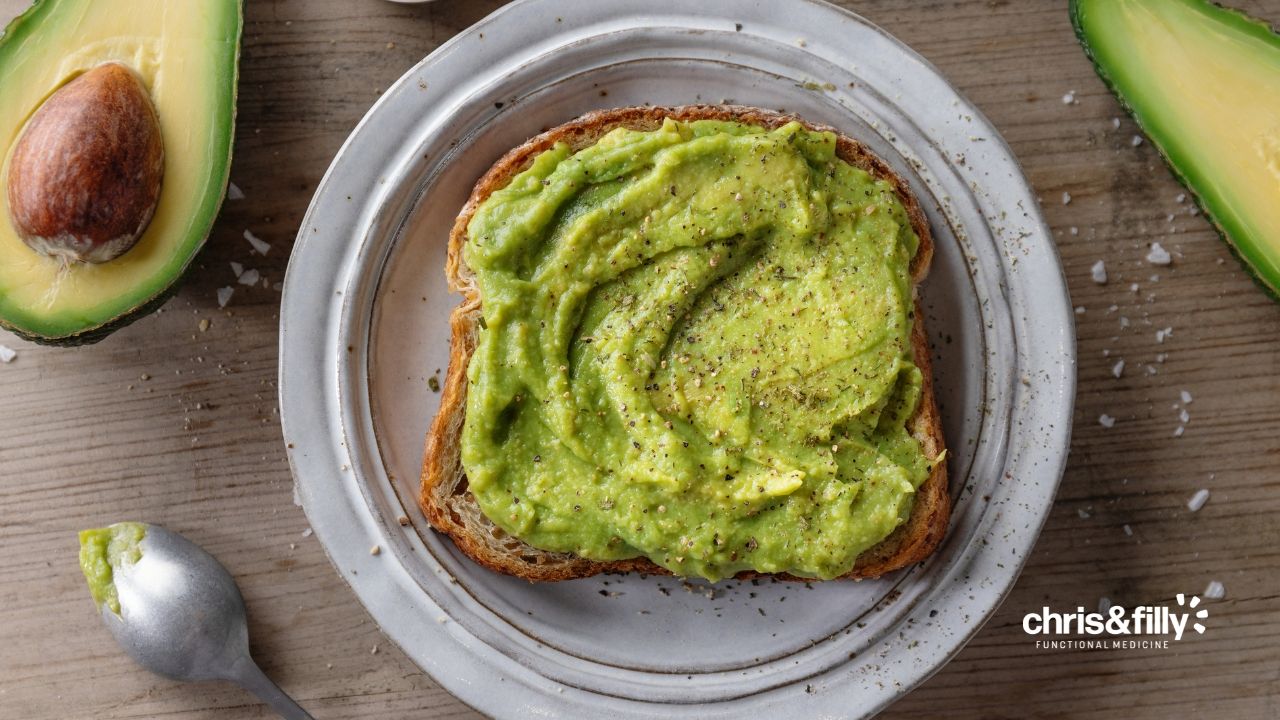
(100, 332)
(1271, 286)
(97, 333)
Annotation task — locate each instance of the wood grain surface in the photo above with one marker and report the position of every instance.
(177, 425)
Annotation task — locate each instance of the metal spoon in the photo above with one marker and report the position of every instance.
(182, 616)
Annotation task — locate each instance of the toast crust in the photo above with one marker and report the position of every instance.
(450, 507)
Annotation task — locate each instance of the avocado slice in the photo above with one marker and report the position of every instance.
(1203, 82)
(186, 55)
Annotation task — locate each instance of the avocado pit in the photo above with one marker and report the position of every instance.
(84, 177)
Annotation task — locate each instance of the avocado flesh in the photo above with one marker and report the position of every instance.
(1204, 83)
(186, 54)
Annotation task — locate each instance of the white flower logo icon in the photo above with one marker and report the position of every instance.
(1201, 614)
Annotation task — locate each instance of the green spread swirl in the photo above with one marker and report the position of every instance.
(695, 348)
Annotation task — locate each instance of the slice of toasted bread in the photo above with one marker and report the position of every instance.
(444, 497)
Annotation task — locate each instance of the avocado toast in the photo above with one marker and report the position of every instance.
(751, 464)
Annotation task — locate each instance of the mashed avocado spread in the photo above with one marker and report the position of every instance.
(102, 552)
(695, 347)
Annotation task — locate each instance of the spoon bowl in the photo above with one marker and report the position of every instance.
(182, 616)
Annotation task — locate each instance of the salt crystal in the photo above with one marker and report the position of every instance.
(258, 243)
(1099, 272)
(1066, 198)
(250, 277)
(1162, 334)
(1124, 321)
(1136, 141)
(1118, 368)
(1106, 420)
(1198, 500)
(1178, 431)
(1186, 397)
(1069, 98)
(237, 268)
(306, 533)
(1075, 230)
(224, 295)
(1158, 255)
(1115, 123)
(1184, 416)
(1181, 198)
(1079, 309)
(7, 354)
(234, 192)
(1214, 591)
(1133, 287)
(1127, 530)
(1084, 514)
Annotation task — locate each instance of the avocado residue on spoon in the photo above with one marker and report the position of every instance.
(103, 551)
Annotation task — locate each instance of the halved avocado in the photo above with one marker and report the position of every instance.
(186, 54)
(1203, 82)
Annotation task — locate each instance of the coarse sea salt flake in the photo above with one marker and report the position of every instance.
(1214, 591)
(224, 295)
(1136, 141)
(250, 277)
(1198, 500)
(260, 245)
(1099, 272)
(1158, 255)
(7, 354)
(1069, 98)
(1106, 420)
(1186, 397)
(237, 268)
(1184, 416)
(1118, 368)
(234, 192)
(1127, 530)
(1178, 431)
(1066, 198)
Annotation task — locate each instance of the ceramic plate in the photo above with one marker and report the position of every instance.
(364, 329)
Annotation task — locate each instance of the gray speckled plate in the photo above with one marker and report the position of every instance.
(364, 327)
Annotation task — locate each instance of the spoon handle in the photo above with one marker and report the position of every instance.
(250, 677)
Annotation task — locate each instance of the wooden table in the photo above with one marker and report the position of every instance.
(172, 424)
